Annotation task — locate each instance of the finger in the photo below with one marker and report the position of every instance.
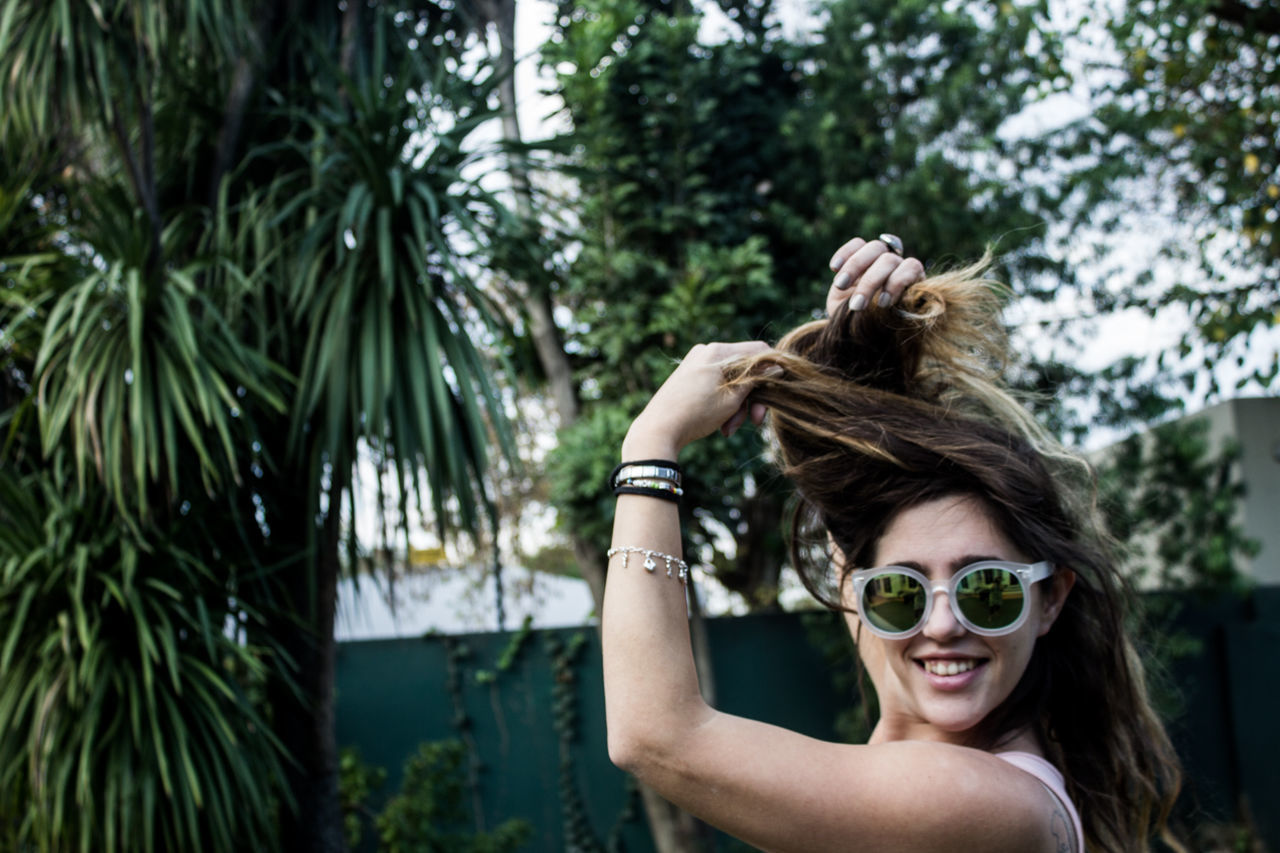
(869, 289)
(842, 254)
(846, 283)
(725, 353)
(871, 285)
(739, 417)
(865, 251)
(857, 263)
(908, 273)
(749, 410)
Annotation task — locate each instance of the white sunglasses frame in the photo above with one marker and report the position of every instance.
(1026, 573)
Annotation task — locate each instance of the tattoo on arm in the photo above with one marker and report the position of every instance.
(1060, 826)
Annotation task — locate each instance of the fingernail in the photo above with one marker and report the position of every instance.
(834, 263)
(884, 300)
(842, 281)
(858, 302)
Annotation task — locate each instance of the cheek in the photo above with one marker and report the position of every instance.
(870, 647)
(1017, 649)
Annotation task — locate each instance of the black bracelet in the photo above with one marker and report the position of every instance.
(660, 494)
(659, 463)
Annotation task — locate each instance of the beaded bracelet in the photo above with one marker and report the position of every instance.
(650, 563)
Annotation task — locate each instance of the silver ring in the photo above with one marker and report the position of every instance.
(894, 242)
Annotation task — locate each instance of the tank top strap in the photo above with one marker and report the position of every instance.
(1051, 778)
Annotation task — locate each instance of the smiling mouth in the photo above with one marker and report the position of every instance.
(949, 667)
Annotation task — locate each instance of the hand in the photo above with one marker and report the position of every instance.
(870, 271)
(693, 403)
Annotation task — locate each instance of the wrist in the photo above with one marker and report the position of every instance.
(644, 443)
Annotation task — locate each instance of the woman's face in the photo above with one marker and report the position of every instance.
(944, 680)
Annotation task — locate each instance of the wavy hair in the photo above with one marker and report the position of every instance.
(878, 411)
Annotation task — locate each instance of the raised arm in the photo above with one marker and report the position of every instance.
(651, 688)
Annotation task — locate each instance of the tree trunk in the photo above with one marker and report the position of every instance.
(302, 713)
(551, 355)
(673, 830)
(305, 583)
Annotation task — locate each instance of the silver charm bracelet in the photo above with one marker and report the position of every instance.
(650, 560)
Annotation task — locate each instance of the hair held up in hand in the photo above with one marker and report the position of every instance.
(877, 411)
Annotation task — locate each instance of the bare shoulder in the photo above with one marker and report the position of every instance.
(1062, 830)
(973, 800)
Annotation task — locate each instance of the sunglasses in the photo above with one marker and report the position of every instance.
(988, 597)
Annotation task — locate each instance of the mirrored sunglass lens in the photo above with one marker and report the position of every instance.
(893, 602)
(990, 598)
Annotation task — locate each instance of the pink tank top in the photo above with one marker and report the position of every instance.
(1051, 778)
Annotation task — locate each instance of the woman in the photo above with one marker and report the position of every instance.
(961, 543)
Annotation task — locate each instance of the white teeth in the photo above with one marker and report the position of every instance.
(949, 667)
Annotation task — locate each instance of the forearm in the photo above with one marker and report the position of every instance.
(651, 687)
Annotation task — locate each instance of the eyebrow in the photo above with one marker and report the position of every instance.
(956, 564)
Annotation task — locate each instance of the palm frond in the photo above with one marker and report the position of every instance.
(124, 718)
(75, 63)
(388, 282)
(134, 371)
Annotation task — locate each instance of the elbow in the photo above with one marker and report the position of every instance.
(629, 729)
(637, 744)
(628, 747)
(642, 746)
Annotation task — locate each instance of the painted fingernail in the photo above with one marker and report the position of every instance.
(858, 302)
(884, 300)
(842, 281)
(835, 262)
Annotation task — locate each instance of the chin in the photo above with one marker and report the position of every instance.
(954, 724)
(955, 717)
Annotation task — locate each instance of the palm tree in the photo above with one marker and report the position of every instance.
(238, 254)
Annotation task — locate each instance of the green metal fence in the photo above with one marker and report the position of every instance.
(1226, 709)
(530, 708)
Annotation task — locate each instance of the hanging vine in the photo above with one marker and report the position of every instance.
(455, 653)
(578, 835)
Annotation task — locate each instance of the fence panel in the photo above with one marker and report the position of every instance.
(1255, 708)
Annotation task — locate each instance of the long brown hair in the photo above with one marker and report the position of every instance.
(876, 412)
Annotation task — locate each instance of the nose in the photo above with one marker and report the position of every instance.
(942, 623)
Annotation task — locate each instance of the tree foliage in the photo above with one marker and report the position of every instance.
(428, 815)
(239, 253)
(127, 708)
(1172, 499)
(715, 178)
(1185, 128)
